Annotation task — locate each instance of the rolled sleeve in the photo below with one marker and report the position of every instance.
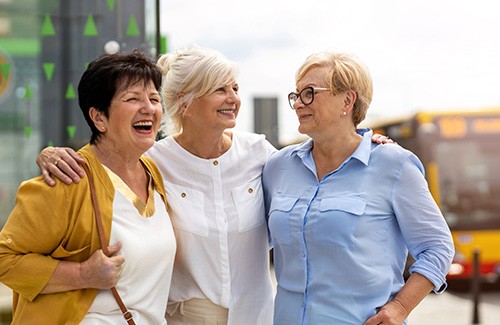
(423, 226)
(31, 233)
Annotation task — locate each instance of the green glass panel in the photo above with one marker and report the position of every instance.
(71, 131)
(111, 4)
(48, 68)
(20, 47)
(5, 68)
(27, 131)
(70, 92)
(90, 27)
(163, 44)
(133, 29)
(27, 93)
(48, 27)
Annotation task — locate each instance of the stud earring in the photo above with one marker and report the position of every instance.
(344, 113)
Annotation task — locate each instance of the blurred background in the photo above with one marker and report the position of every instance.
(435, 67)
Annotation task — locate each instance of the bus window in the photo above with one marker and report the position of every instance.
(469, 182)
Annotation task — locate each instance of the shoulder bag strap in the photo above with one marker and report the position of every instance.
(126, 314)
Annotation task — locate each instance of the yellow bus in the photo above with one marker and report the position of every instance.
(461, 154)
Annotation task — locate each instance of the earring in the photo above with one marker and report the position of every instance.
(344, 113)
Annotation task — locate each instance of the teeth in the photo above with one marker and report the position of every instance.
(226, 110)
(143, 123)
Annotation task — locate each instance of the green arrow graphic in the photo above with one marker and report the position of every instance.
(47, 27)
(48, 68)
(90, 28)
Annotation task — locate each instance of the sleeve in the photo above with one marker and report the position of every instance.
(34, 229)
(270, 149)
(266, 185)
(423, 226)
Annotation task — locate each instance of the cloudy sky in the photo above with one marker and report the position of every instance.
(423, 55)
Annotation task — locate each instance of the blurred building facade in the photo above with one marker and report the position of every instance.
(45, 46)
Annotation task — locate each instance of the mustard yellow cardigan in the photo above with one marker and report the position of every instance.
(49, 224)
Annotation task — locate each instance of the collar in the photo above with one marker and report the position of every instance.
(362, 152)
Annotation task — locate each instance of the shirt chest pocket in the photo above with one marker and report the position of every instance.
(336, 220)
(280, 219)
(186, 209)
(249, 202)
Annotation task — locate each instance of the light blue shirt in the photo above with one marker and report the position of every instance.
(340, 244)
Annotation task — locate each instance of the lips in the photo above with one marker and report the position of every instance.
(303, 116)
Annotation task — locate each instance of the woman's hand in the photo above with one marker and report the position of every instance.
(101, 271)
(98, 272)
(416, 288)
(392, 313)
(62, 163)
(379, 138)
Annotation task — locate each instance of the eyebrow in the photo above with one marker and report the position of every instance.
(125, 92)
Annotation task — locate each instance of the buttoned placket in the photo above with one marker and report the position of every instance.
(222, 229)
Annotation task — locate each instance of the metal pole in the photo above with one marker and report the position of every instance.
(158, 31)
(476, 282)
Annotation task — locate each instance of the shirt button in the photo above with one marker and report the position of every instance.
(216, 162)
(9, 241)
(183, 195)
(250, 190)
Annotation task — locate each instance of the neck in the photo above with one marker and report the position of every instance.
(341, 146)
(205, 145)
(330, 153)
(123, 164)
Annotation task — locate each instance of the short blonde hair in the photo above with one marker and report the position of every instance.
(188, 74)
(346, 72)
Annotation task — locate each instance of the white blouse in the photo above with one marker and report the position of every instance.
(217, 211)
(148, 245)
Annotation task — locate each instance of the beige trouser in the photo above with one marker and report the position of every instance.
(198, 312)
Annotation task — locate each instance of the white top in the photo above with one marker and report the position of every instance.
(217, 210)
(149, 248)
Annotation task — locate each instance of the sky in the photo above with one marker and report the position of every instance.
(422, 55)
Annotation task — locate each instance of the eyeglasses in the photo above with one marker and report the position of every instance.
(306, 95)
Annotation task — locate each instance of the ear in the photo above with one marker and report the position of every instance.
(99, 119)
(183, 106)
(349, 100)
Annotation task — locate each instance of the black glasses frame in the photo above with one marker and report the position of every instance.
(293, 97)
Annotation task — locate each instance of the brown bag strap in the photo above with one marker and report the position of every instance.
(100, 229)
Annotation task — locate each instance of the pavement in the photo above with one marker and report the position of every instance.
(451, 308)
(5, 304)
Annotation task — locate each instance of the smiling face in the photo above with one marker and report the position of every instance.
(217, 110)
(134, 119)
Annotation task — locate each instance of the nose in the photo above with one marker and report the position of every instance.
(298, 103)
(148, 107)
(232, 96)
